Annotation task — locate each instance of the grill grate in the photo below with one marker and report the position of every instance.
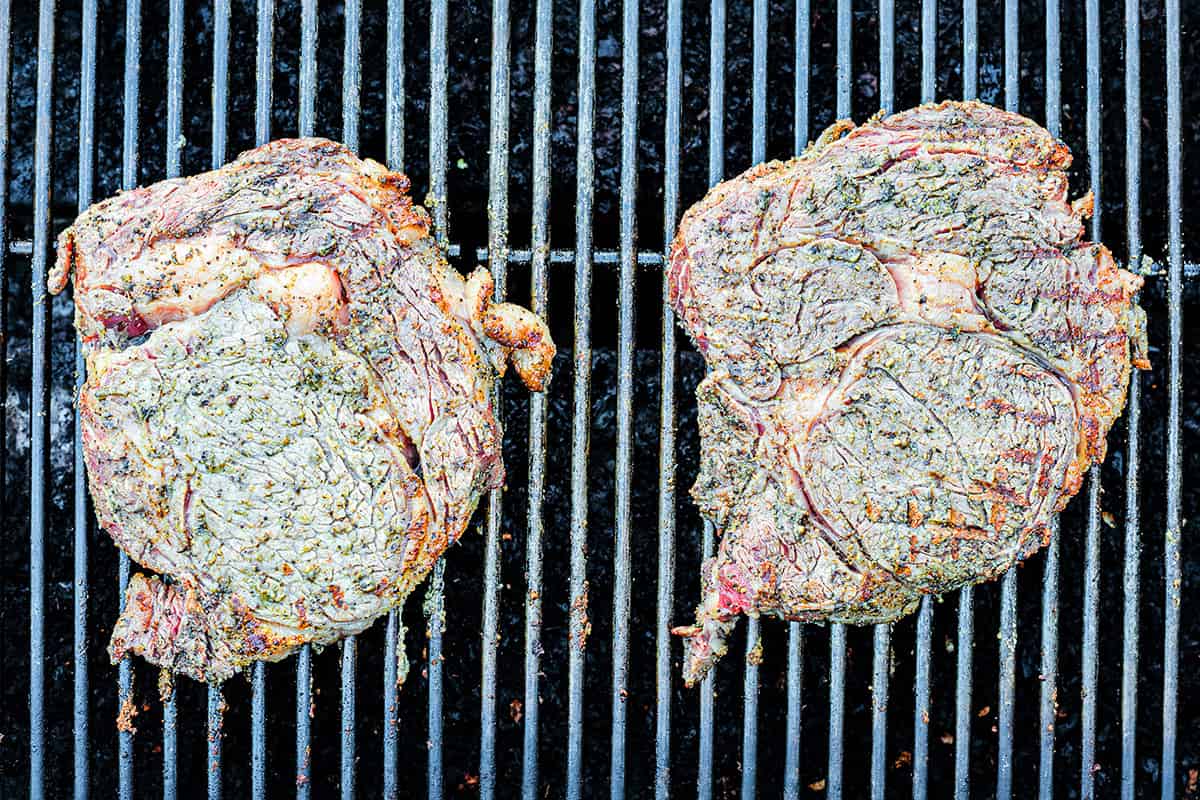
(627, 259)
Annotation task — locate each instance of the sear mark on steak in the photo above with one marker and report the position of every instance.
(914, 357)
(287, 409)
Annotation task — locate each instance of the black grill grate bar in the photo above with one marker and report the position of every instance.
(924, 636)
(795, 659)
(667, 420)
(881, 655)
(581, 395)
(962, 693)
(129, 180)
(966, 605)
(82, 705)
(393, 638)
(1172, 567)
(758, 154)
(394, 85)
(351, 82)
(306, 122)
(1133, 535)
(716, 172)
(1048, 696)
(920, 751)
(173, 145)
(1008, 586)
(308, 67)
(40, 396)
(498, 263)
(837, 631)
(540, 241)
(438, 110)
(624, 455)
(1091, 586)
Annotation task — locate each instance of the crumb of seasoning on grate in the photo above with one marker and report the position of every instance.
(514, 710)
(947, 738)
(469, 781)
(1191, 789)
(902, 760)
(817, 786)
(755, 656)
(579, 610)
(1109, 519)
(166, 685)
(983, 712)
(126, 715)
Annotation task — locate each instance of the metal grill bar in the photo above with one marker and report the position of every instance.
(581, 390)
(924, 638)
(716, 172)
(304, 712)
(1091, 586)
(216, 714)
(1008, 586)
(393, 640)
(970, 65)
(129, 180)
(216, 703)
(264, 71)
(87, 127)
(262, 134)
(962, 694)
(394, 85)
(308, 67)
(879, 697)
(39, 403)
(1133, 535)
(795, 661)
(837, 631)
(966, 604)
(540, 240)
(258, 732)
(174, 134)
(758, 154)
(498, 262)
(351, 80)
(624, 456)
(1048, 699)
(837, 708)
(1172, 567)
(666, 428)
(881, 655)
(438, 109)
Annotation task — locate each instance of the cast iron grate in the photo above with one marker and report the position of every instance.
(611, 196)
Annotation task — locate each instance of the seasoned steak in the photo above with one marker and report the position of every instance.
(914, 357)
(287, 412)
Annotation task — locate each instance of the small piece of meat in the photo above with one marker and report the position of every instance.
(287, 412)
(914, 357)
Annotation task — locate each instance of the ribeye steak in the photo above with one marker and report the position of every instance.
(287, 410)
(914, 357)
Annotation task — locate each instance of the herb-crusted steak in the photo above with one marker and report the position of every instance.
(286, 413)
(914, 357)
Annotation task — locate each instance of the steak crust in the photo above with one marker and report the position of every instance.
(287, 410)
(914, 357)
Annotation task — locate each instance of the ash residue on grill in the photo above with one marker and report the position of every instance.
(470, 36)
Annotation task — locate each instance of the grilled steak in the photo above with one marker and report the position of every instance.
(287, 410)
(914, 357)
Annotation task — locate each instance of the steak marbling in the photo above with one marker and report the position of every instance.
(287, 413)
(914, 357)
